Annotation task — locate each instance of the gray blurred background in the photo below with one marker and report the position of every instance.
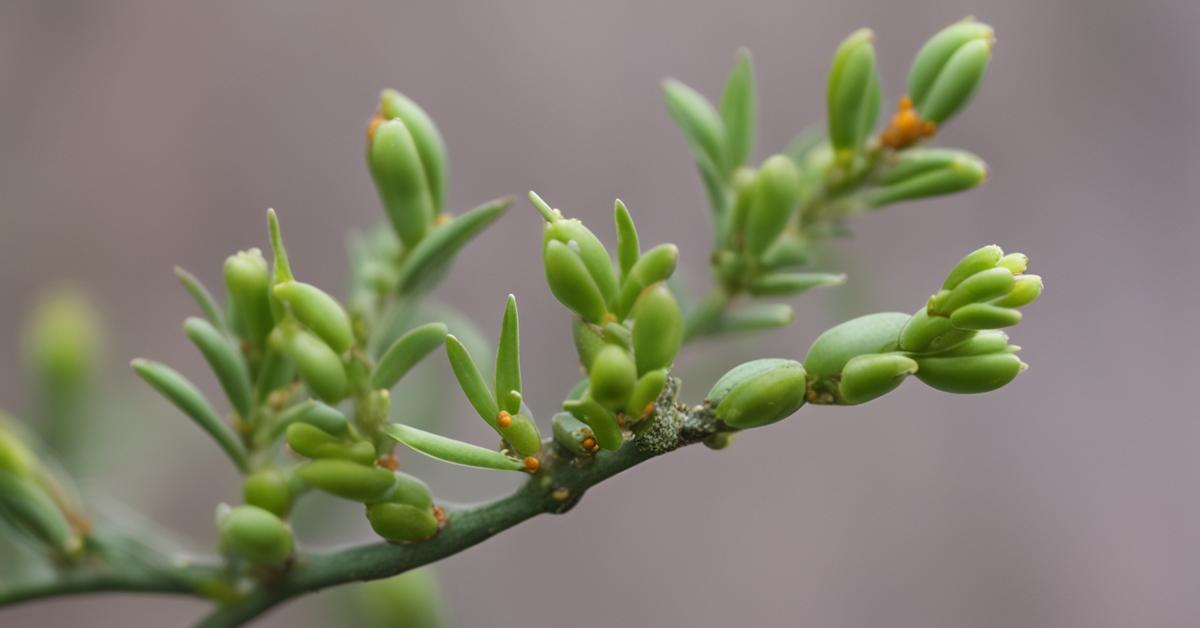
(139, 135)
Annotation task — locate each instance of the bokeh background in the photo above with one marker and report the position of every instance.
(139, 135)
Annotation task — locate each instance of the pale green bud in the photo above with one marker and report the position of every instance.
(869, 376)
(873, 333)
(853, 94)
(969, 374)
(759, 393)
(256, 535)
(949, 69)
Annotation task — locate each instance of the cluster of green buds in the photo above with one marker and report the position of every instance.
(290, 357)
(627, 330)
(953, 344)
(34, 500)
(767, 218)
(407, 159)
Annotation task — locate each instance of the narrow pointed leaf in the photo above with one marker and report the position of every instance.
(226, 363)
(185, 396)
(471, 381)
(508, 359)
(204, 298)
(628, 249)
(450, 450)
(406, 352)
(439, 247)
(738, 110)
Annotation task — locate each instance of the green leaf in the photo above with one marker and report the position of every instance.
(739, 110)
(508, 359)
(450, 450)
(853, 94)
(226, 363)
(628, 249)
(185, 396)
(757, 317)
(471, 381)
(439, 247)
(406, 352)
(794, 283)
(700, 123)
(204, 298)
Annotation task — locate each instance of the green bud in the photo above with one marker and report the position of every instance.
(64, 339)
(451, 450)
(319, 312)
(759, 392)
(589, 340)
(1016, 263)
(400, 178)
(409, 600)
(405, 353)
(248, 281)
(925, 172)
(976, 261)
(980, 287)
(613, 375)
(320, 368)
(313, 442)
(401, 522)
(579, 239)
(428, 141)
(27, 506)
(15, 456)
(925, 333)
(410, 490)
(969, 374)
(869, 376)
(654, 266)
(700, 123)
(657, 329)
(739, 110)
(645, 393)
(574, 435)
(757, 316)
(225, 361)
(949, 68)
(315, 413)
(981, 343)
(270, 490)
(522, 433)
(873, 333)
(254, 534)
(853, 94)
(1026, 289)
(348, 480)
(794, 283)
(774, 200)
(976, 316)
(571, 284)
(508, 359)
(602, 422)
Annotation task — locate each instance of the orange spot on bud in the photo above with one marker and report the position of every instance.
(648, 410)
(389, 462)
(906, 127)
(589, 443)
(442, 219)
(376, 120)
(532, 464)
(504, 419)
